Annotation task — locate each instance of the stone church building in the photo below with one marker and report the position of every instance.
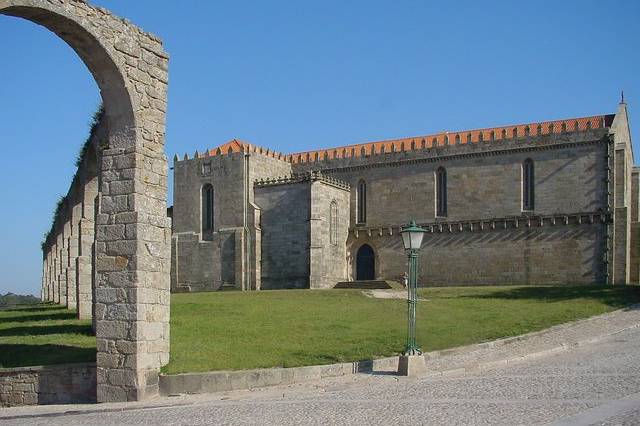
(542, 203)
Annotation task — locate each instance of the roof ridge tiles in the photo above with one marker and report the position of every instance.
(487, 134)
(412, 143)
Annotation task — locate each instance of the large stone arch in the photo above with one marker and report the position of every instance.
(132, 230)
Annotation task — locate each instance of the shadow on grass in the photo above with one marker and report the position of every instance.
(618, 297)
(43, 330)
(41, 307)
(19, 355)
(56, 316)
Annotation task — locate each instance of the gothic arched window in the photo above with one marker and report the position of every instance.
(441, 192)
(528, 185)
(361, 207)
(333, 223)
(207, 209)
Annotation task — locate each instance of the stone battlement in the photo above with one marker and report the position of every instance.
(419, 143)
(232, 147)
(302, 177)
(455, 138)
(488, 224)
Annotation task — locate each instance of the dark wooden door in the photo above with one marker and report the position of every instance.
(365, 264)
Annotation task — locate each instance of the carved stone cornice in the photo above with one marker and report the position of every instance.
(488, 224)
(314, 176)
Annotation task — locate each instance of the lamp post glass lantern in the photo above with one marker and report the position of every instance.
(412, 240)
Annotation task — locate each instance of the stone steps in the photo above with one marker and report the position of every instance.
(227, 287)
(369, 285)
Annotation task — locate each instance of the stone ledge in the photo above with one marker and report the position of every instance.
(222, 381)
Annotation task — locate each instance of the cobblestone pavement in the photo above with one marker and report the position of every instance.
(597, 383)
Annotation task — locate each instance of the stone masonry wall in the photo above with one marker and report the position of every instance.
(328, 257)
(58, 384)
(484, 184)
(205, 265)
(635, 227)
(564, 250)
(568, 179)
(198, 264)
(285, 212)
(481, 184)
(484, 171)
(261, 166)
(225, 173)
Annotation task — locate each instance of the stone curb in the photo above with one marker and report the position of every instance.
(223, 381)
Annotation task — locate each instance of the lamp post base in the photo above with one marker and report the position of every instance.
(411, 365)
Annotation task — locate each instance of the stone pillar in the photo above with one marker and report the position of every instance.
(132, 246)
(85, 259)
(316, 247)
(45, 267)
(58, 272)
(240, 260)
(52, 272)
(620, 220)
(49, 275)
(84, 269)
(622, 168)
(256, 258)
(132, 287)
(72, 285)
(43, 287)
(635, 227)
(64, 262)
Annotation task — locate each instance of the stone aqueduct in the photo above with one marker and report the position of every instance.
(108, 251)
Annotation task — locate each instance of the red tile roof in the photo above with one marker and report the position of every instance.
(493, 134)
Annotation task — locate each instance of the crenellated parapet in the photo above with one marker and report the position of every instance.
(313, 176)
(490, 224)
(531, 135)
(234, 146)
(465, 137)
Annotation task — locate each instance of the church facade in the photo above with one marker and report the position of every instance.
(542, 203)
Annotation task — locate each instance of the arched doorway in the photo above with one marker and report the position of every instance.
(365, 263)
(132, 231)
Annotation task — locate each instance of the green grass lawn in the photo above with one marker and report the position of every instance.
(43, 334)
(228, 331)
(232, 330)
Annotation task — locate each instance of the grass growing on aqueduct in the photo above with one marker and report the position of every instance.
(232, 330)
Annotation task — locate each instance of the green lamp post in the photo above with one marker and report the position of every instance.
(412, 362)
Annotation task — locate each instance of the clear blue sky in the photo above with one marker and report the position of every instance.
(297, 75)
